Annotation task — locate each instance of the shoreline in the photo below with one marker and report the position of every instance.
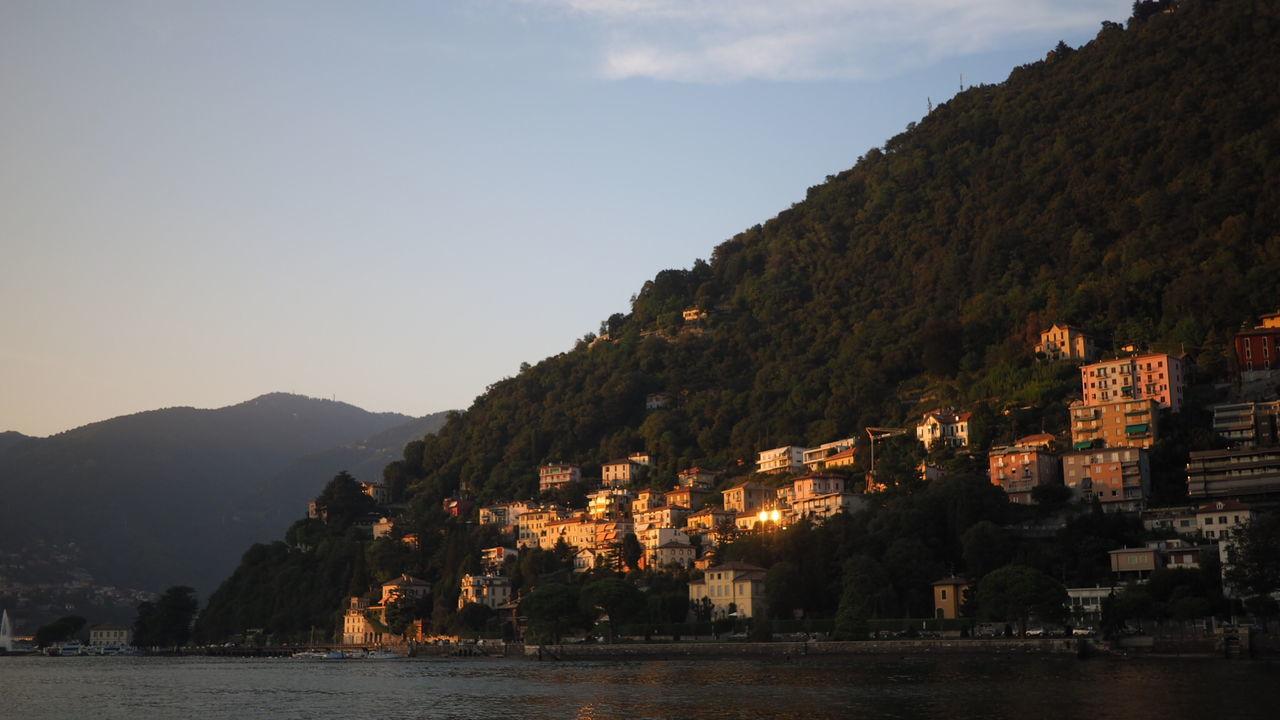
(798, 649)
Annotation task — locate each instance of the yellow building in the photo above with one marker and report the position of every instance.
(1064, 342)
(948, 597)
(731, 587)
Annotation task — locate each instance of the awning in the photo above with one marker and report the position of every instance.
(1137, 429)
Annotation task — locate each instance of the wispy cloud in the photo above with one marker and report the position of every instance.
(734, 40)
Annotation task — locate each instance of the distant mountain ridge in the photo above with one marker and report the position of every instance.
(173, 496)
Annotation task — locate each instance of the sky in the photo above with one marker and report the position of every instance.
(395, 203)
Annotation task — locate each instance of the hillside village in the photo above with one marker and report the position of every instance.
(628, 521)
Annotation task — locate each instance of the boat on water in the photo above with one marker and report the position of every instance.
(319, 655)
(70, 648)
(115, 650)
(383, 655)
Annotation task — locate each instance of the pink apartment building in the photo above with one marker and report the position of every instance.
(1155, 376)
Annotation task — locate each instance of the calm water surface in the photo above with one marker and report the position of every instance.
(952, 688)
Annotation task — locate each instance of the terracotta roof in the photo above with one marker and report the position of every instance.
(1040, 439)
(1222, 505)
(404, 580)
(739, 566)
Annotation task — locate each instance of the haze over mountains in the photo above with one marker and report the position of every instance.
(174, 496)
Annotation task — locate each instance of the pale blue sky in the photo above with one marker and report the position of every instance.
(396, 203)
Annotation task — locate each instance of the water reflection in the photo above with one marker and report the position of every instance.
(812, 688)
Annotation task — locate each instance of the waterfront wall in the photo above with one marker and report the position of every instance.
(1037, 646)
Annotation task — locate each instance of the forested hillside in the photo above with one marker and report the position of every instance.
(1130, 186)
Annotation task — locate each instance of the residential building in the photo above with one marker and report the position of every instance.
(821, 507)
(733, 587)
(641, 458)
(1180, 519)
(618, 473)
(763, 520)
(814, 485)
(1118, 478)
(687, 497)
(1065, 342)
(609, 503)
(488, 589)
(694, 314)
(655, 401)
(531, 526)
(673, 553)
(948, 597)
(665, 516)
(585, 559)
(944, 426)
(1136, 564)
(357, 629)
(696, 477)
(458, 506)
(553, 476)
(1023, 466)
(1248, 474)
(1155, 376)
(402, 588)
(746, 497)
(576, 531)
(493, 558)
(709, 522)
(655, 535)
(1085, 604)
(383, 527)
(646, 499)
(787, 459)
(838, 453)
(1258, 349)
(503, 515)
(364, 623)
(1124, 423)
(1248, 424)
(1218, 520)
(108, 634)
(377, 491)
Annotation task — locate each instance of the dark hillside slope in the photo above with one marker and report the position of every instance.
(1131, 186)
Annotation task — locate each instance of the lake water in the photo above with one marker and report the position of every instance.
(945, 688)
